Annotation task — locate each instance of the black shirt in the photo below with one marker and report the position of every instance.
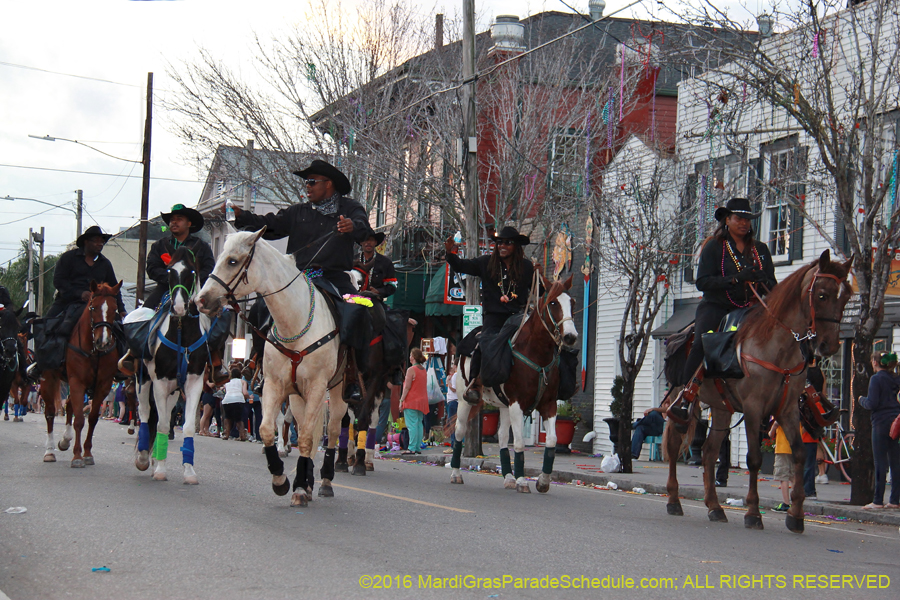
(492, 289)
(73, 276)
(382, 277)
(715, 275)
(157, 269)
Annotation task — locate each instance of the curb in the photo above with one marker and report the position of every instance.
(626, 481)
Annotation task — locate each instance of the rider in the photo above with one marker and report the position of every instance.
(72, 278)
(321, 233)
(506, 283)
(183, 223)
(731, 260)
(382, 277)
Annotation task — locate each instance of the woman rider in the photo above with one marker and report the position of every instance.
(730, 261)
(506, 283)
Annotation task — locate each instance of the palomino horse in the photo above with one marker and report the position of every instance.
(177, 362)
(532, 385)
(805, 308)
(301, 361)
(91, 359)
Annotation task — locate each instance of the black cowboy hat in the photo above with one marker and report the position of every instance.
(510, 233)
(320, 167)
(180, 209)
(737, 206)
(92, 231)
(378, 235)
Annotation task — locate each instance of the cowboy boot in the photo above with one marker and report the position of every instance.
(473, 393)
(126, 364)
(352, 392)
(680, 410)
(219, 374)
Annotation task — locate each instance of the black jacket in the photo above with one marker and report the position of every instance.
(382, 277)
(490, 288)
(304, 226)
(714, 277)
(73, 276)
(156, 266)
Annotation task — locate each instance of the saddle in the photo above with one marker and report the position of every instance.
(720, 356)
(51, 336)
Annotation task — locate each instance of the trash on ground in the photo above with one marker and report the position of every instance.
(639, 490)
(103, 569)
(734, 502)
(15, 510)
(612, 485)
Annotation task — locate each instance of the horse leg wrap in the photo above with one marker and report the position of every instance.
(187, 450)
(327, 471)
(519, 465)
(457, 453)
(342, 439)
(161, 446)
(549, 456)
(505, 469)
(144, 437)
(361, 438)
(300, 479)
(276, 466)
(370, 439)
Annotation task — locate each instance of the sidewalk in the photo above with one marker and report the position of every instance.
(833, 498)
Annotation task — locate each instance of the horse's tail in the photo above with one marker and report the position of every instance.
(686, 438)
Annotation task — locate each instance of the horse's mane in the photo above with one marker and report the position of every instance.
(104, 289)
(239, 237)
(186, 254)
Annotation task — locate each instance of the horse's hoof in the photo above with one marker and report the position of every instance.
(674, 509)
(281, 489)
(191, 480)
(49, 458)
(6, 417)
(717, 515)
(351, 460)
(358, 469)
(63, 444)
(281, 453)
(370, 466)
(543, 484)
(459, 479)
(341, 467)
(160, 477)
(326, 491)
(131, 431)
(793, 523)
(509, 482)
(753, 522)
(77, 463)
(300, 499)
(523, 488)
(89, 460)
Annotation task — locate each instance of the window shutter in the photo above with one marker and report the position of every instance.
(755, 192)
(688, 207)
(799, 189)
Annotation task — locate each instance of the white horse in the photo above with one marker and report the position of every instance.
(306, 365)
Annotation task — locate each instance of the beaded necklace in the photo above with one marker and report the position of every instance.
(509, 293)
(308, 275)
(727, 244)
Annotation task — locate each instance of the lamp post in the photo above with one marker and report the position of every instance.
(76, 210)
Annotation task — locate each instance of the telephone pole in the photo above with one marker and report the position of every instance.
(29, 256)
(145, 195)
(40, 278)
(79, 202)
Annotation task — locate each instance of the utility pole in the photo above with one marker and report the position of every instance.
(79, 203)
(40, 277)
(145, 195)
(470, 159)
(248, 197)
(29, 256)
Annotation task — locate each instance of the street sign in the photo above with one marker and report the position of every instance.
(471, 318)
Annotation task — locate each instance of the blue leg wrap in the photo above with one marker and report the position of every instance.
(187, 450)
(144, 437)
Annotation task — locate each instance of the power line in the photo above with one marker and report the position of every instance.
(8, 64)
(97, 173)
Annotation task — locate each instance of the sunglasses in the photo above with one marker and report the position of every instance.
(506, 242)
(312, 182)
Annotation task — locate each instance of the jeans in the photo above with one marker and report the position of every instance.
(810, 469)
(414, 426)
(452, 406)
(886, 455)
(256, 416)
(384, 414)
(651, 425)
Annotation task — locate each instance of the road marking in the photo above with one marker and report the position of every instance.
(347, 487)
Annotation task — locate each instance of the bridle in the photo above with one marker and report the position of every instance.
(811, 330)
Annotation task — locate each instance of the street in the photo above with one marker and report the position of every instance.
(403, 525)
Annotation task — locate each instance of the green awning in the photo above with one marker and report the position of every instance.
(411, 289)
(434, 299)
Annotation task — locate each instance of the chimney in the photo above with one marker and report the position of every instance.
(596, 7)
(438, 30)
(766, 23)
(508, 34)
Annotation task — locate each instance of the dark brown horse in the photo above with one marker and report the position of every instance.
(805, 308)
(91, 363)
(533, 384)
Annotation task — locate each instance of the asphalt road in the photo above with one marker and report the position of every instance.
(231, 538)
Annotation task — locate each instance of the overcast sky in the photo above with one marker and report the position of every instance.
(78, 70)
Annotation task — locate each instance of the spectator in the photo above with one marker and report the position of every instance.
(452, 403)
(233, 405)
(255, 407)
(414, 400)
(651, 425)
(882, 401)
(208, 402)
(784, 466)
(815, 378)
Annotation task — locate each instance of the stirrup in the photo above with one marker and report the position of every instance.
(126, 365)
(473, 394)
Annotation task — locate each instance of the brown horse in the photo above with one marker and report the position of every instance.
(91, 363)
(805, 308)
(533, 384)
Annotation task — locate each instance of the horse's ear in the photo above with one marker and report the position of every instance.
(848, 264)
(825, 259)
(567, 284)
(258, 235)
(117, 287)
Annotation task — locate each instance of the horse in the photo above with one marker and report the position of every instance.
(177, 360)
(301, 367)
(11, 355)
(90, 364)
(532, 385)
(804, 309)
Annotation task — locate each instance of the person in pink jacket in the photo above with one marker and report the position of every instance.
(414, 400)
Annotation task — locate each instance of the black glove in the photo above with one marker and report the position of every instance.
(759, 275)
(746, 275)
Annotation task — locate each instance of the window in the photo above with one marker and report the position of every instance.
(380, 213)
(783, 191)
(567, 164)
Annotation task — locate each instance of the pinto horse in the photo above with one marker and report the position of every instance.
(804, 309)
(302, 359)
(532, 385)
(177, 361)
(91, 363)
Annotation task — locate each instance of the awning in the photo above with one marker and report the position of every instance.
(434, 299)
(410, 294)
(685, 309)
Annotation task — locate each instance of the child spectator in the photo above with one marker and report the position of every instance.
(784, 465)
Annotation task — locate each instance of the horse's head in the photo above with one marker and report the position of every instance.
(103, 311)
(183, 279)
(828, 293)
(556, 308)
(231, 275)
(9, 331)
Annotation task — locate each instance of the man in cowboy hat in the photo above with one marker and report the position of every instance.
(506, 277)
(322, 232)
(382, 277)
